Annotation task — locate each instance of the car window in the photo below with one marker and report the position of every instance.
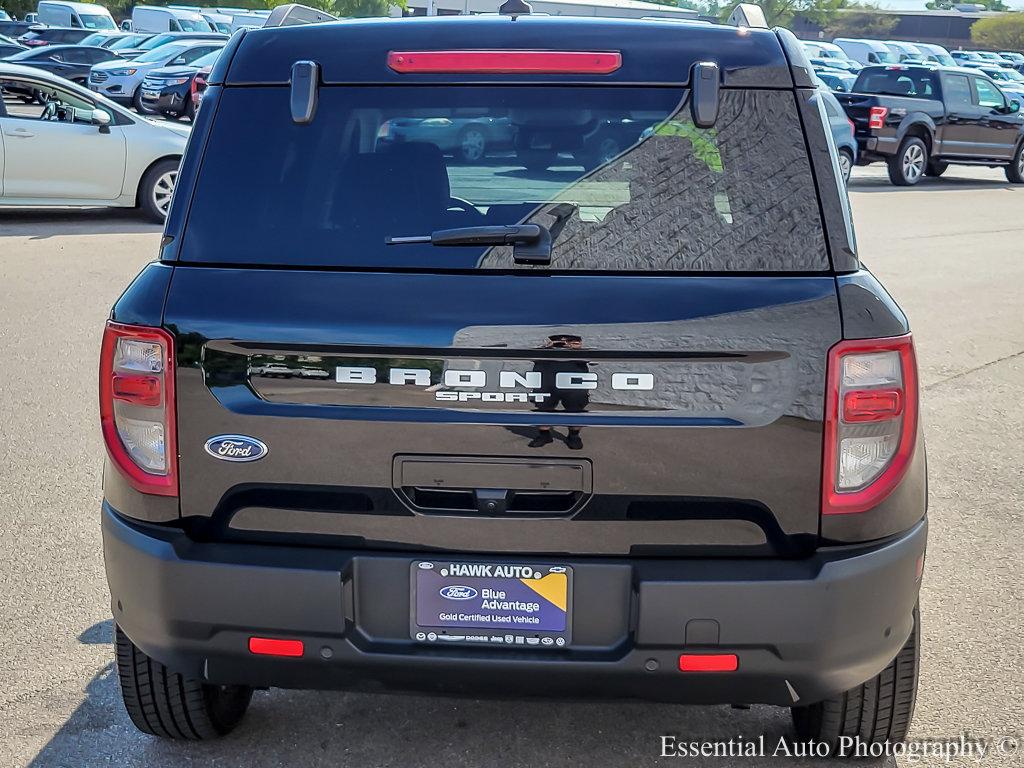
(193, 54)
(958, 91)
(988, 94)
(161, 54)
(620, 176)
(59, 106)
(897, 82)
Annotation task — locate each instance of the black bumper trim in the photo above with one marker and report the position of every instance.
(820, 626)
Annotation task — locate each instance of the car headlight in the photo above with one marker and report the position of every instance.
(176, 81)
(123, 72)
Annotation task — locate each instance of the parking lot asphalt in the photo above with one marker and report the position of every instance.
(951, 251)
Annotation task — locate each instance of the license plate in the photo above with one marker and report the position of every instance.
(525, 606)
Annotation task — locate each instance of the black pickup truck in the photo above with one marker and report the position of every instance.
(919, 119)
(637, 425)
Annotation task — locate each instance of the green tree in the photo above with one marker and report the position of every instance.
(861, 20)
(1004, 33)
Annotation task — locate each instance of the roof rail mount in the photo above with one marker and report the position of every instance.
(515, 8)
(704, 98)
(748, 15)
(305, 85)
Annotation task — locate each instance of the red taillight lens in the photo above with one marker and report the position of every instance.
(269, 646)
(853, 126)
(876, 117)
(708, 662)
(137, 406)
(506, 62)
(870, 422)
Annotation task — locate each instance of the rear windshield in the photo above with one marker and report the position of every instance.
(621, 178)
(898, 82)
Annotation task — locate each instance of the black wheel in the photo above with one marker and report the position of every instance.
(1015, 170)
(156, 188)
(906, 167)
(935, 168)
(845, 164)
(137, 103)
(879, 711)
(472, 144)
(163, 703)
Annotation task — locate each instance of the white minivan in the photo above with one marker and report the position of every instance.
(866, 51)
(147, 18)
(57, 13)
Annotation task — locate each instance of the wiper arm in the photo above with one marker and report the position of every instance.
(532, 241)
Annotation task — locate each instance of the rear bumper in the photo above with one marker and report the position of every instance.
(809, 628)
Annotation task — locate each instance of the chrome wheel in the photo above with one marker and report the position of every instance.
(845, 166)
(913, 163)
(473, 145)
(163, 189)
(1020, 161)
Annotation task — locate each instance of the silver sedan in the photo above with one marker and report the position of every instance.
(76, 148)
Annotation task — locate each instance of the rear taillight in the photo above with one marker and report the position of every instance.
(876, 117)
(137, 406)
(853, 126)
(870, 422)
(506, 62)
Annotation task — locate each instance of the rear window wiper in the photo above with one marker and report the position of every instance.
(532, 242)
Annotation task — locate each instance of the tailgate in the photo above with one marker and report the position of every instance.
(404, 411)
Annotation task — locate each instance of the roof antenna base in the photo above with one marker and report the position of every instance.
(515, 8)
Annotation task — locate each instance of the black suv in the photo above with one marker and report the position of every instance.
(628, 426)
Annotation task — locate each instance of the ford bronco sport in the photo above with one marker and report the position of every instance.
(546, 421)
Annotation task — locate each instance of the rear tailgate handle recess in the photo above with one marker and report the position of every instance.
(704, 93)
(305, 85)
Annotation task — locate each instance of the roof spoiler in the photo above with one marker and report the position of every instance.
(748, 15)
(294, 14)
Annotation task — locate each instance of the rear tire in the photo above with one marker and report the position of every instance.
(906, 167)
(878, 712)
(935, 168)
(846, 164)
(1015, 170)
(165, 704)
(156, 188)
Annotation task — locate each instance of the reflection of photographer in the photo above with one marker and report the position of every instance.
(571, 400)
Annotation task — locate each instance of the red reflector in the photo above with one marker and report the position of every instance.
(138, 390)
(506, 62)
(876, 117)
(268, 646)
(708, 662)
(872, 405)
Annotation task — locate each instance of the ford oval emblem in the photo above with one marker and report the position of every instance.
(457, 592)
(236, 448)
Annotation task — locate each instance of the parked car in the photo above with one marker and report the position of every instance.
(72, 62)
(120, 80)
(836, 80)
(866, 51)
(844, 65)
(128, 45)
(80, 149)
(153, 42)
(470, 139)
(168, 90)
(936, 53)
(963, 56)
(104, 39)
(821, 50)
(919, 119)
(386, 559)
(147, 18)
(38, 36)
(9, 47)
(88, 16)
(1010, 81)
(842, 130)
(904, 51)
(31, 18)
(1015, 59)
(199, 85)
